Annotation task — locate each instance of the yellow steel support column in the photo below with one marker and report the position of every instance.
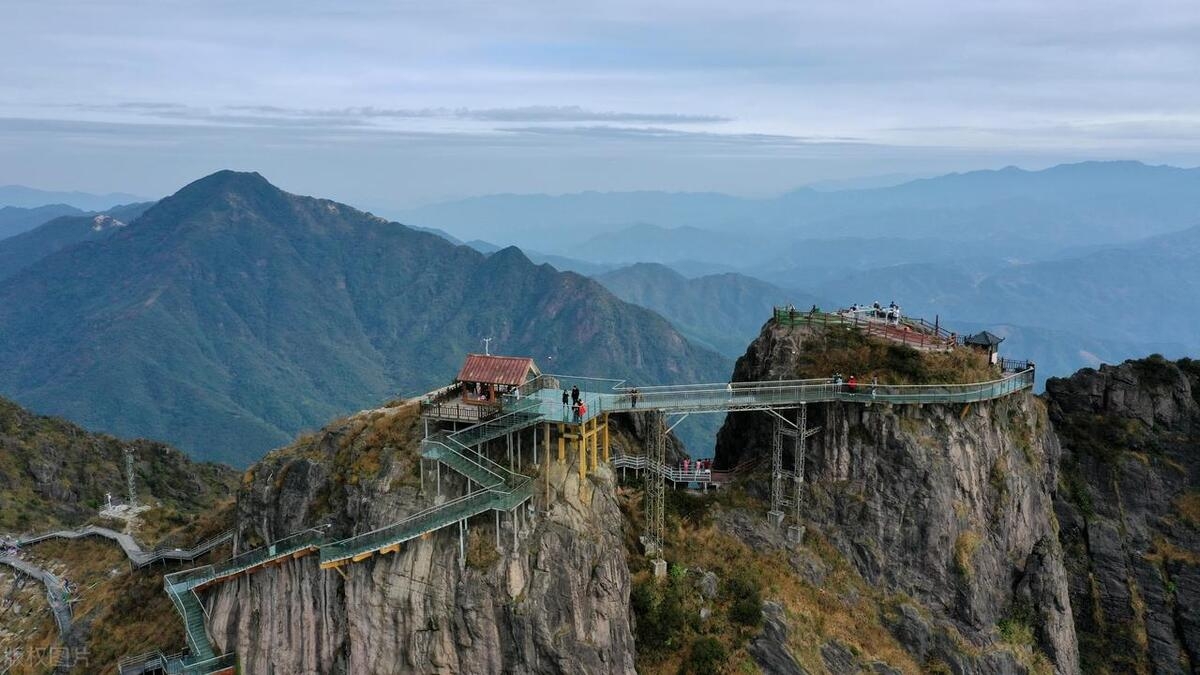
(594, 439)
(606, 447)
(547, 444)
(562, 443)
(581, 443)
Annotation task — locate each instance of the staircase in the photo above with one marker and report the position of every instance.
(193, 621)
(525, 413)
(385, 539)
(463, 461)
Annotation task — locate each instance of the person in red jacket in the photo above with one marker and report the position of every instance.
(851, 384)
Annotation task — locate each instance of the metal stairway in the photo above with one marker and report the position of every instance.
(388, 539)
(465, 462)
(525, 413)
(193, 622)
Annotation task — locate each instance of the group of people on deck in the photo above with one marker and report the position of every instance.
(578, 407)
(698, 465)
(851, 386)
(891, 313)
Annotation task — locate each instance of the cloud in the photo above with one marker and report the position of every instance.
(607, 132)
(272, 115)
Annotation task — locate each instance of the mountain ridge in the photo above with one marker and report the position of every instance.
(232, 315)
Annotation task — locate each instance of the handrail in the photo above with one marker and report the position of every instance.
(136, 554)
(440, 444)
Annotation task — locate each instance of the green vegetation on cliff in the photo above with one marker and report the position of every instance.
(54, 473)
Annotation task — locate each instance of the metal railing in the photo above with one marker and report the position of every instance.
(175, 664)
(475, 466)
(189, 579)
(432, 518)
(916, 333)
(762, 395)
(460, 412)
(677, 474)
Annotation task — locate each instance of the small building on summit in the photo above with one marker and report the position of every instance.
(985, 341)
(485, 377)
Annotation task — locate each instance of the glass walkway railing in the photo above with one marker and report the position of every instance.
(429, 520)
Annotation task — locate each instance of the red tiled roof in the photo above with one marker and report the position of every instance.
(509, 370)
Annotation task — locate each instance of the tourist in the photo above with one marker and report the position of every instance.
(633, 397)
(575, 394)
(852, 384)
(566, 397)
(582, 409)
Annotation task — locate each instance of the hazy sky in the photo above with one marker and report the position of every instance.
(395, 103)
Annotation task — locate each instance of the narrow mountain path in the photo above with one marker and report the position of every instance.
(134, 551)
(55, 589)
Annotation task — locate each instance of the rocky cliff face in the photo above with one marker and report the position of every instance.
(949, 506)
(1130, 512)
(550, 596)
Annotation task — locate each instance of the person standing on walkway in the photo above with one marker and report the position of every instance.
(575, 394)
(566, 397)
(633, 397)
(852, 384)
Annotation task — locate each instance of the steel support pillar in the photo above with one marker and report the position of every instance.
(655, 490)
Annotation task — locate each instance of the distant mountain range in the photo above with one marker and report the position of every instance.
(1012, 210)
(724, 312)
(24, 250)
(231, 315)
(15, 219)
(1142, 292)
(27, 197)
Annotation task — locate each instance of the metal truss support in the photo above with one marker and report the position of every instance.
(674, 424)
(775, 515)
(798, 432)
(652, 539)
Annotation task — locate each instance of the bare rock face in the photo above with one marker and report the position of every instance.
(1129, 514)
(951, 506)
(545, 592)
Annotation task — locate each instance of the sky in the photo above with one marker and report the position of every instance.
(393, 104)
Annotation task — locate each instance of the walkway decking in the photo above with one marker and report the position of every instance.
(133, 550)
(55, 589)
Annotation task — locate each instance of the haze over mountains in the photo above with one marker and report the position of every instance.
(1076, 264)
(1057, 207)
(232, 315)
(27, 197)
(225, 300)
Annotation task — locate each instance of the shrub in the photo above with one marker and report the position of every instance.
(964, 552)
(660, 614)
(706, 658)
(747, 601)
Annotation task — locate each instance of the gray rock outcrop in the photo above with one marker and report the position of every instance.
(1129, 516)
(949, 505)
(555, 601)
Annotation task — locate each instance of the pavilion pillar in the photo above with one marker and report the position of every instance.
(562, 443)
